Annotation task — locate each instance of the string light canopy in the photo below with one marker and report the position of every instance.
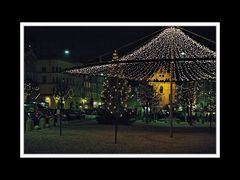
(190, 60)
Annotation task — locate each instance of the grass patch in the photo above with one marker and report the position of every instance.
(138, 138)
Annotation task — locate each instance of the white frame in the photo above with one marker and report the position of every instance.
(111, 24)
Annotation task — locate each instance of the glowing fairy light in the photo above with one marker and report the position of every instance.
(170, 43)
(159, 47)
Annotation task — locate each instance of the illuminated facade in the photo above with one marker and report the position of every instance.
(47, 74)
(162, 89)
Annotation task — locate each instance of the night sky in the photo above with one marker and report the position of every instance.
(86, 43)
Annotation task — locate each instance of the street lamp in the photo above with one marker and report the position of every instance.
(66, 52)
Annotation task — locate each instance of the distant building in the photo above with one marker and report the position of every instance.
(162, 87)
(91, 91)
(48, 74)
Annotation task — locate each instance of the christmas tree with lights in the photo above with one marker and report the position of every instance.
(115, 94)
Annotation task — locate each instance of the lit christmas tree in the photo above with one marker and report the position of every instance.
(115, 94)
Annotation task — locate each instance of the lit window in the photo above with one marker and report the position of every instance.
(161, 89)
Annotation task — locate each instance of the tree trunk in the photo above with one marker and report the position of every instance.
(190, 112)
(188, 115)
(150, 113)
(147, 115)
(185, 114)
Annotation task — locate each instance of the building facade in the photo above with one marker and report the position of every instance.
(48, 74)
(162, 87)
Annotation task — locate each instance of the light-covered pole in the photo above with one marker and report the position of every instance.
(171, 103)
(115, 58)
(171, 94)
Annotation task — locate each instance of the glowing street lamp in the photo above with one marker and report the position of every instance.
(66, 52)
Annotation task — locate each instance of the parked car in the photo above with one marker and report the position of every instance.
(28, 111)
(35, 111)
(88, 111)
(73, 114)
(94, 112)
(163, 114)
(70, 114)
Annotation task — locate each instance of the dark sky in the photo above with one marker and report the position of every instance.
(85, 43)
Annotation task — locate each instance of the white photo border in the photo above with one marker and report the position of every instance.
(118, 24)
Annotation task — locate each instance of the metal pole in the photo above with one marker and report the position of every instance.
(210, 108)
(171, 107)
(61, 106)
(210, 119)
(116, 118)
(61, 115)
(116, 129)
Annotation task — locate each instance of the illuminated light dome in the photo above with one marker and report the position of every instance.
(172, 43)
(190, 60)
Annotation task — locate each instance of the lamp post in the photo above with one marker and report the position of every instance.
(61, 105)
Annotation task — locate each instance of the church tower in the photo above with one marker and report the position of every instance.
(160, 81)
